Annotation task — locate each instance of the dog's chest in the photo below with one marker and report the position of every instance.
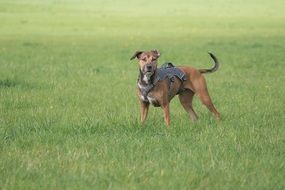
(150, 99)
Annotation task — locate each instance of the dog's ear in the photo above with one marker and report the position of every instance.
(137, 54)
(157, 53)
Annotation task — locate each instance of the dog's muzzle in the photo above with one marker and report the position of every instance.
(149, 69)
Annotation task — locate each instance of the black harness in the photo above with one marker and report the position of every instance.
(167, 70)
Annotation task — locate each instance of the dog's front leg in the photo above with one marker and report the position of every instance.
(144, 111)
(166, 114)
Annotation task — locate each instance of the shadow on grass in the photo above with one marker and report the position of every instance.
(7, 83)
(14, 83)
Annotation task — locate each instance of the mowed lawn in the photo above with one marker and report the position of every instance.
(69, 115)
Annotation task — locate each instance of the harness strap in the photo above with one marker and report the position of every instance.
(169, 71)
(171, 82)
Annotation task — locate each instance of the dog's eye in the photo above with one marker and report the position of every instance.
(153, 59)
(144, 59)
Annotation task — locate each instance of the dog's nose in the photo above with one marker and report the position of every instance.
(149, 67)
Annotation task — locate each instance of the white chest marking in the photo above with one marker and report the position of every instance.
(146, 79)
(143, 99)
(148, 99)
(151, 100)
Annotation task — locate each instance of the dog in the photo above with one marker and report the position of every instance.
(157, 86)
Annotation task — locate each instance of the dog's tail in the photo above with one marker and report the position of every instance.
(213, 69)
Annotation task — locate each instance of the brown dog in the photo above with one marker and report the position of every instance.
(157, 90)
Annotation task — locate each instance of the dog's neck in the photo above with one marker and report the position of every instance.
(145, 79)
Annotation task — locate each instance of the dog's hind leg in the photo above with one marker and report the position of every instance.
(206, 100)
(186, 98)
(200, 88)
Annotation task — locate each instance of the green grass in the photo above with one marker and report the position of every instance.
(69, 116)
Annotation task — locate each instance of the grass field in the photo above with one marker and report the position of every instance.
(69, 116)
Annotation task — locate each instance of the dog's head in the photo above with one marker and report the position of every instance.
(147, 61)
